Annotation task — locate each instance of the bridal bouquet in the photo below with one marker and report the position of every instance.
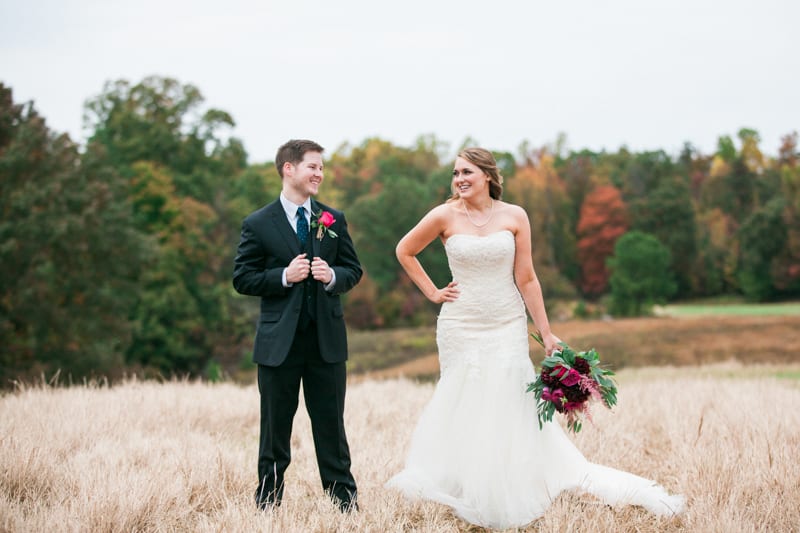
(567, 382)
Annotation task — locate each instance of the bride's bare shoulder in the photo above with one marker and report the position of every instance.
(515, 211)
(446, 210)
(512, 213)
(438, 219)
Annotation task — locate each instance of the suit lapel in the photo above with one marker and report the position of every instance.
(315, 208)
(283, 227)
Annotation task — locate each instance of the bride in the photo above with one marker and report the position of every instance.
(477, 446)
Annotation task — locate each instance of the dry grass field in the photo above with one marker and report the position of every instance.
(180, 456)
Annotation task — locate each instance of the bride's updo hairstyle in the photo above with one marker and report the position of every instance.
(484, 160)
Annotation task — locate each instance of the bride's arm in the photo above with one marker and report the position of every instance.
(431, 226)
(527, 281)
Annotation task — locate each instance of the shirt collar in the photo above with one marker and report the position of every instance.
(291, 208)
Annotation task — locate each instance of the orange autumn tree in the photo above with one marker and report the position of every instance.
(537, 188)
(603, 219)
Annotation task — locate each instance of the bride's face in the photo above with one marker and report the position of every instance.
(469, 180)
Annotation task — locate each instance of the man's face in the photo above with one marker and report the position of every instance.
(305, 177)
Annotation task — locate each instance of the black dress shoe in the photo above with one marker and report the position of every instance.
(266, 501)
(346, 500)
(348, 506)
(266, 505)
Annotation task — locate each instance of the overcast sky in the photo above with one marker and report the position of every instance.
(645, 74)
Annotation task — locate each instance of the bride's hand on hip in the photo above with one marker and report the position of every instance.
(447, 294)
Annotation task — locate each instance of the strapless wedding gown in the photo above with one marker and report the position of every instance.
(477, 446)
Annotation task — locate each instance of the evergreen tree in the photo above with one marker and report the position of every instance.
(640, 274)
(762, 236)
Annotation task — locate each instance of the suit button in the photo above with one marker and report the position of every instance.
(297, 311)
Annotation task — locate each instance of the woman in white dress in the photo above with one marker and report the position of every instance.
(477, 446)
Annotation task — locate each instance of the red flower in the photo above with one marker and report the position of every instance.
(555, 396)
(323, 222)
(572, 378)
(326, 219)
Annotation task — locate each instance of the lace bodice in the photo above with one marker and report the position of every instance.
(487, 321)
(483, 266)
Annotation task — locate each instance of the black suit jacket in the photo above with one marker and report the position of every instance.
(267, 246)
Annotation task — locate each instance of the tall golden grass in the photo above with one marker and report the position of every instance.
(180, 456)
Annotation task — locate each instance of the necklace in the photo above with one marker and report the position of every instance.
(491, 212)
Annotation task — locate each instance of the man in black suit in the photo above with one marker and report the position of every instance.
(297, 255)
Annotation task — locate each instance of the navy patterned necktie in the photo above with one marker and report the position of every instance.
(302, 225)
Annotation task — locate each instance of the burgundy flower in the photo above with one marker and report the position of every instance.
(554, 395)
(576, 394)
(581, 365)
(571, 378)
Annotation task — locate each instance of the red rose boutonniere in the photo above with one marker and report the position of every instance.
(323, 222)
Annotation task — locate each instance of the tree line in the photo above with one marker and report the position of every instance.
(116, 254)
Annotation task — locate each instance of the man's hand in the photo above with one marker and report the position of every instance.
(298, 269)
(320, 271)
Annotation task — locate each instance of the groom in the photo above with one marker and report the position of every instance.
(296, 254)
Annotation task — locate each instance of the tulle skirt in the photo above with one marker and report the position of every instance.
(478, 448)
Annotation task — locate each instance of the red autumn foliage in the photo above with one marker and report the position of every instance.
(602, 221)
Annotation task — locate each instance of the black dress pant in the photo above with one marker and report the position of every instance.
(324, 392)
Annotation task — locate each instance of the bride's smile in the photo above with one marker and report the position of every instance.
(469, 181)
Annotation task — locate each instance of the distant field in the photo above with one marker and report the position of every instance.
(655, 341)
(733, 309)
(683, 334)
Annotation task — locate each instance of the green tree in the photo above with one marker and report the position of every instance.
(182, 172)
(736, 183)
(379, 221)
(640, 275)
(252, 188)
(667, 212)
(577, 172)
(69, 254)
(786, 266)
(716, 256)
(762, 237)
(538, 189)
(361, 171)
(385, 190)
(641, 173)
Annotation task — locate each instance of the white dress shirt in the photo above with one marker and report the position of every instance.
(290, 208)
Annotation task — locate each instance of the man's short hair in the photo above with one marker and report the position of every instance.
(293, 152)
